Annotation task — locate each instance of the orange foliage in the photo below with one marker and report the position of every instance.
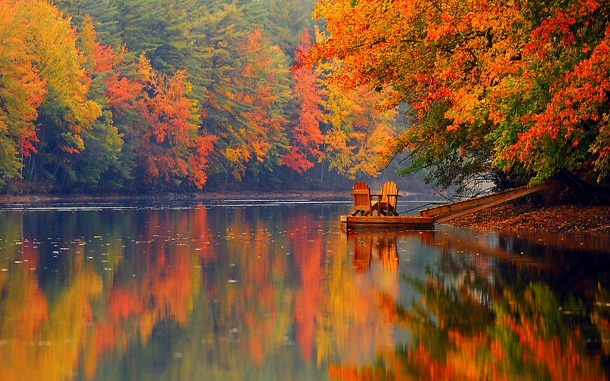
(170, 144)
(260, 90)
(307, 136)
(571, 108)
(22, 86)
(506, 85)
(122, 93)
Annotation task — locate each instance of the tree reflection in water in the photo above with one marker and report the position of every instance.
(280, 293)
(488, 312)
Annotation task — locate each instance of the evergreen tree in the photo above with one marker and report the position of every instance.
(103, 13)
(158, 28)
(286, 20)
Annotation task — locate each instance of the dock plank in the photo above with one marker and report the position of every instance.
(405, 222)
(448, 212)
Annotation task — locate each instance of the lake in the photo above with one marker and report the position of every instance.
(274, 290)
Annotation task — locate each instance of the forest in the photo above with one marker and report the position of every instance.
(154, 95)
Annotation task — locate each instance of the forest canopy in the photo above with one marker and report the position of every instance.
(140, 95)
(513, 91)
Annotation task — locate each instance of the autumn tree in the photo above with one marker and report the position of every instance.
(50, 112)
(516, 89)
(67, 112)
(149, 115)
(357, 132)
(78, 112)
(170, 146)
(22, 90)
(103, 142)
(307, 136)
(567, 57)
(258, 138)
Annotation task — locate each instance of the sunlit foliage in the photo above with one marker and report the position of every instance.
(307, 137)
(215, 101)
(515, 89)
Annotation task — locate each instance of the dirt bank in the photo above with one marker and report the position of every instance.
(527, 217)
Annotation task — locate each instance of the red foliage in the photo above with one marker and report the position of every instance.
(307, 136)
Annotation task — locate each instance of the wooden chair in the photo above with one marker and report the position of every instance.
(362, 199)
(389, 198)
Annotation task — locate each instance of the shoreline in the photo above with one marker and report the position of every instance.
(511, 216)
(526, 217)
(203, 196)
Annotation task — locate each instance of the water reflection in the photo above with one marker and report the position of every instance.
(497, 307)
(258, 291)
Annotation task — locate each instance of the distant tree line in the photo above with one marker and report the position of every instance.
(158, 95)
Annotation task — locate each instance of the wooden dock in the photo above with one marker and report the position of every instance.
(384, 222)
(428, 217)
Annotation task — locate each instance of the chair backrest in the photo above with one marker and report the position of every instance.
(362, 196)
(389, 188)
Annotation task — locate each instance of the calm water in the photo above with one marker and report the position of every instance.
(266, 290)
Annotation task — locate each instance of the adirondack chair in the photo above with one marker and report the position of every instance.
(362, 199)
(389, 198)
